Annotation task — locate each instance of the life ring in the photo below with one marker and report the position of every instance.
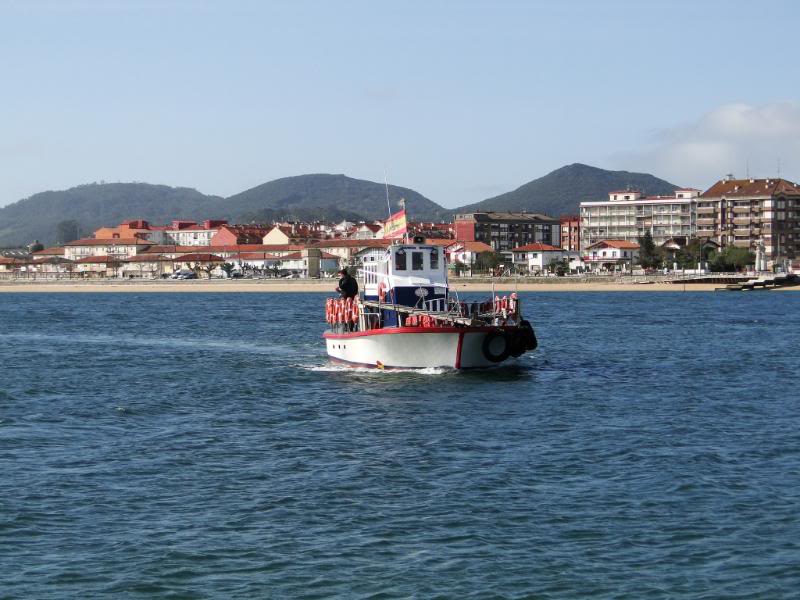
(489, 341)
(354, 311)
(382, 289)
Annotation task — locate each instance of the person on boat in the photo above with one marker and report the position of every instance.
(348, 286)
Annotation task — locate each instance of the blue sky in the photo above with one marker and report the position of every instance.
(458, 100)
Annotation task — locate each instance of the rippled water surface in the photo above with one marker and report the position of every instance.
(200, 446)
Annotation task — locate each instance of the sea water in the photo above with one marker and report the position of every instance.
(201, 446)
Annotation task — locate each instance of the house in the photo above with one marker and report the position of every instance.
(115, 247)
(537, 258)
(310, 262)
(611, 255)
(134, 228)
(346, 249)
(295, 233)
(231, 235)
(199, 262)
(98, 265)
(189, 233)
(145, 266)
(11, 265)
(465, 253)
(367, 231)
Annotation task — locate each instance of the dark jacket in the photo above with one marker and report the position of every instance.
(348, 286)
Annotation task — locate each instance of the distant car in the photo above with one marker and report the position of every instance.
(183, 274)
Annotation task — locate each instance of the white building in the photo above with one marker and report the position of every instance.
(465, 253)
(189, 233)
(628, 214)
(536, 258)
(611, 255)
(114, 248)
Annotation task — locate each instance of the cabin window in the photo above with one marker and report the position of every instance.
(400, 261)
(435, 258)
(417, 261)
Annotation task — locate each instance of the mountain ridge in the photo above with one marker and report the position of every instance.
(315, 196)
(560, 191)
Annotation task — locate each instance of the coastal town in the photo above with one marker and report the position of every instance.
(736, 224)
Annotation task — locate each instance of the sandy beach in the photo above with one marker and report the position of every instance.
(266, 286)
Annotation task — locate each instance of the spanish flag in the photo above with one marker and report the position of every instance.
(396, 226)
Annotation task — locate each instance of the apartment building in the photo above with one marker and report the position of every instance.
(571, 233)
(628, 214)
(503, 231)
(748, 212)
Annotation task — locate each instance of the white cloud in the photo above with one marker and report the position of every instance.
(729, 139)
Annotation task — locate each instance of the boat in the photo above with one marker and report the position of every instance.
(407, 318)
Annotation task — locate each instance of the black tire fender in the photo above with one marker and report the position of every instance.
(526, 329)
(487, 342)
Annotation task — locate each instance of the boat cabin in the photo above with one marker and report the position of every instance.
(412, 275)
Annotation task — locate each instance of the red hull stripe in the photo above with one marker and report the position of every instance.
(394, 330)
(458, 349)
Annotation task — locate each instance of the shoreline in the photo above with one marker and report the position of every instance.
(279, 286)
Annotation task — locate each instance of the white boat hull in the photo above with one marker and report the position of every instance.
(411, 347)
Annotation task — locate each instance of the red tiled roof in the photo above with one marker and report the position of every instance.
(296, 255)
(54, 251)
(147, 258)
(200, 257)
(537, 247)
(620, 244)
(258, 256)
(234, 248)
(751, 187)
(98, 260)
(109, 242)
(350, 243)
(471, 246)
(5, 260)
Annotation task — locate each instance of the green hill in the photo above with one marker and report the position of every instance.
(306, 197)
(560, 192)
(95, 205)
(320, 191)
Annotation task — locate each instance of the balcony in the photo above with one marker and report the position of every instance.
(705, 233)
(706, 210)
(741, 221)
(741, 209)
(706, 221)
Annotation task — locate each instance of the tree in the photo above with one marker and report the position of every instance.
(458, 267)
(730, 259)
(227, 268)
(648, 255)
(487, 261)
